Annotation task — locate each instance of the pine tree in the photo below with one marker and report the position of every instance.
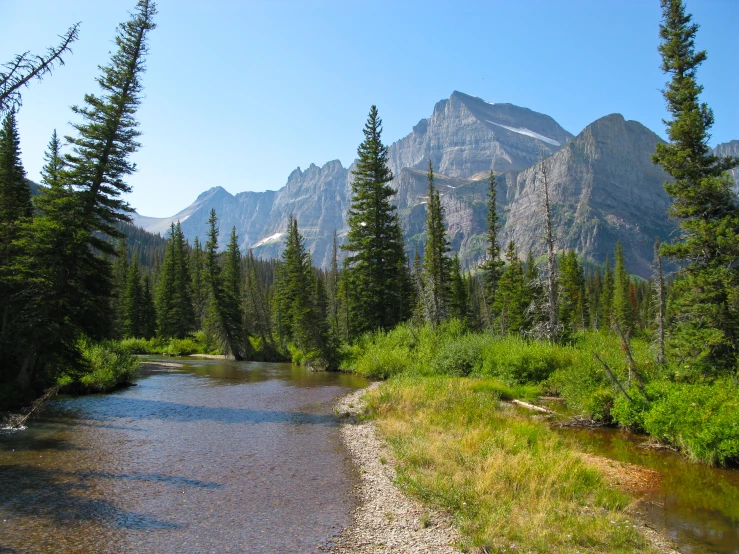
(510, 300)
(623, 311)
(120, 287)
(332, 290)
(534, 295)
(15, 196)
(417, 278)
(572, 301)
(374, 242)
(15, 213)
(606, 297)
(660, 299)
(458, 295)
(132, 324)
(200, 299)
(67, 286)
(26, 67)
(148, 310)
(174, 300)
(107, 134)
(232, 284)
(300, 320)
(52, 174)
(255, 303)
(98, 164)
(492, 269)
(706, 312)
(218, 320)
(436, 262)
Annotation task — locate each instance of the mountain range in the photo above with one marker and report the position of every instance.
(603, 186)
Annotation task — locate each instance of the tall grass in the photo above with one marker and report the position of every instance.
(513, 484)
(700, 418)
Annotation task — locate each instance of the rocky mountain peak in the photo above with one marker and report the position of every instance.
(466, 135)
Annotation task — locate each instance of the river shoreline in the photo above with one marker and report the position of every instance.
(387, 520)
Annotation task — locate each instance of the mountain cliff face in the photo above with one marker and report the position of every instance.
(730, 148)
(603, 188)
(466, 136)
(603, 185)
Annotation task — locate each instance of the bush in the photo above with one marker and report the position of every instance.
(142, 346)
(700, 419)
(183, 347)
(521, 361)
(109, 365)
(461, 356)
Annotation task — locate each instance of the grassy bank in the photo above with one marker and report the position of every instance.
(199, 343)
(699, 416)
(513, 485)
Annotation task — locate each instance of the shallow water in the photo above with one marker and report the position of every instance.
(219, 457)
(694, 505)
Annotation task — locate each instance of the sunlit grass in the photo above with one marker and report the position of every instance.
(513, 484)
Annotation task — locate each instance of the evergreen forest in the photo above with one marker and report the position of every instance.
(82, 291)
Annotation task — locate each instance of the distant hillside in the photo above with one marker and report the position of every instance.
(604, 185)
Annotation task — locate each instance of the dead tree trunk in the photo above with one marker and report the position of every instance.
(549, 238)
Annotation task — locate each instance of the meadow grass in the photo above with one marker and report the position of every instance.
(511, 482)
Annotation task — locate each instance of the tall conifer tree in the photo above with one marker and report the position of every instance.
(492, 269)
(436, 262)
(623, 311)
(706, 310)
(218, 320)
(511, 297)
(374, 244)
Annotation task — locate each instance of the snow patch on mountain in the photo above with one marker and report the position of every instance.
(269, 240)
(527, 132)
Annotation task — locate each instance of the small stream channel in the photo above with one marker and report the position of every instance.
(218, 457)
(694, 505)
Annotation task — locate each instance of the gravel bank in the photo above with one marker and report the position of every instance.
(386, 520)
(389, 521)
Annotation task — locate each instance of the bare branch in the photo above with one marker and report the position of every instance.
(26, 67)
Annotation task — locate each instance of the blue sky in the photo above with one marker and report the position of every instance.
(240, 93)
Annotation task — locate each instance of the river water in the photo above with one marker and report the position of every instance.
(694, 505)
(217, 457)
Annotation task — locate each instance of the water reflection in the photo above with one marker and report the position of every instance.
(221, 456)
(695, 505)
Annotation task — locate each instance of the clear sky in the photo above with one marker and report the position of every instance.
(241, 92)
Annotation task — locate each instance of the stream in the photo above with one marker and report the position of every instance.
(217, 457)
(694, 505)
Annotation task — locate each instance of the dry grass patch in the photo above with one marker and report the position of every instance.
(514, 485)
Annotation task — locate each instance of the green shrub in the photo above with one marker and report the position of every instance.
(108, 364)
(382, 363)
(521, 361)
(459, 356)
(630, 413)
(183, 347)
(700, 419)
(142, 346)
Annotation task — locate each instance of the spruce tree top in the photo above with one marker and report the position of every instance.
(15, 196)
(108, 131)
(687, 157)
(372, 165)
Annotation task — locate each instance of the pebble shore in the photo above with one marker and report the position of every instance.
(386, 519)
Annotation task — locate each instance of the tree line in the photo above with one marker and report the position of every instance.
(56, 270)
(63, 277)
